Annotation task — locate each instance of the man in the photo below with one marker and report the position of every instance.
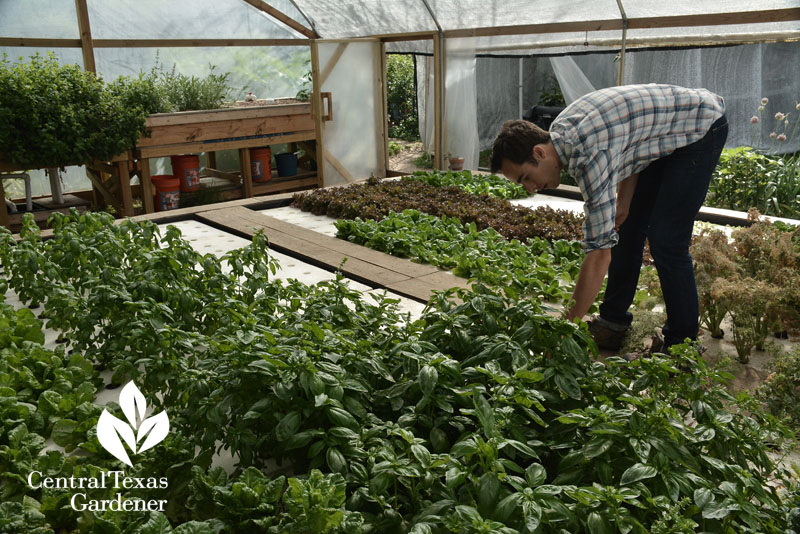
(642, 156)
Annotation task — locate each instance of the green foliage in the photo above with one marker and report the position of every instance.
(749, 177)
(425, 161)
(485, 415)
(745, 178)
(395, 148)
(552, 96)
(489, 184)
(55, 115)
(753, 278)
(179, 92)
(307, 85)
(484, 158)
(781, 391)
(375, 201)
(401, 97)
(537, 269)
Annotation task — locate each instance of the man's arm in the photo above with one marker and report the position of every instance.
(625, 191)
(590, 280)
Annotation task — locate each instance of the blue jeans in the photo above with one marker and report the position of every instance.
(668, 196)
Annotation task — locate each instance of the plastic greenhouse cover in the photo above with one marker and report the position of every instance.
(347, 18)
(23, 18)
(188, 19)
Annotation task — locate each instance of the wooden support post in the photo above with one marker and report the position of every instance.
(381, 120)
(125, 188)
(96, 178)
(86, 36)
(438, 157)
(211, 160)
(247, 174)
(316, 111)
(55, 185)
(3, 208)
(147, 186)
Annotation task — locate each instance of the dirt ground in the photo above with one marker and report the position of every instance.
(404, 160)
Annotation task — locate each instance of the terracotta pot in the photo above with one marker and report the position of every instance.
(456, 164)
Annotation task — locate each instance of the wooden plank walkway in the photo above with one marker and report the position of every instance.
(377, 269)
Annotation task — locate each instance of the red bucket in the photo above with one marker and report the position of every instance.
(186, 168)
(260, 164)
(168, 192)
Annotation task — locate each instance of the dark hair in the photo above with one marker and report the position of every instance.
(515, 143)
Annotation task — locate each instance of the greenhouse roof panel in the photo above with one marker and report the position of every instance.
(351, 18)
(188, 19)
(57, 21)
(360, 18)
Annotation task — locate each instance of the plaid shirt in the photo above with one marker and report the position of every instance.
(608, 135)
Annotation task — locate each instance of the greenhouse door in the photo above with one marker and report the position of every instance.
(348, 92)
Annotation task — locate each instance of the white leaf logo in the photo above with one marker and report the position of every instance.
(110, 429)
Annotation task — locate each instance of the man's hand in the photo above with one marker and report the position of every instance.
(590, 280)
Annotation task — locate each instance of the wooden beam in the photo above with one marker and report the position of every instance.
(86, 36)
(125, 189)
(230, 176)
(673, 21)
(226, 114)
(147, 43)
(410, 36)
(211, 160)
(438, 156)
(334, 59)
(247, 175)
(3, 208)
(341, 169)
(282, 17)
(40, 43)
(171, 43)
(225, 130)
(381, 121)
(97, 182)
(316, 112)
(147, 186)
(189, 148)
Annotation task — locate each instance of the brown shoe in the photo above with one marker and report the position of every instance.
(607, 335)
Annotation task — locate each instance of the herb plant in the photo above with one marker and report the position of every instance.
(759, 176)
(488, 184)
(55, 115)
(486, 414)
(754, 278)
(537, 269)
(375, 201)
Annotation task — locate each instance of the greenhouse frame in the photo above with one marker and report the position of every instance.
(247, 317)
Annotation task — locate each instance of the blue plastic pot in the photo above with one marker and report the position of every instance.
(287, 163)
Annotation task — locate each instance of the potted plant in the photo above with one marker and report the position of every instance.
(456, 162)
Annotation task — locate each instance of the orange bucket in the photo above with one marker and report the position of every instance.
(186, 168)
(260, 164)
(168, 192)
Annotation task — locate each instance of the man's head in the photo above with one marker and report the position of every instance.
(524, 154)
